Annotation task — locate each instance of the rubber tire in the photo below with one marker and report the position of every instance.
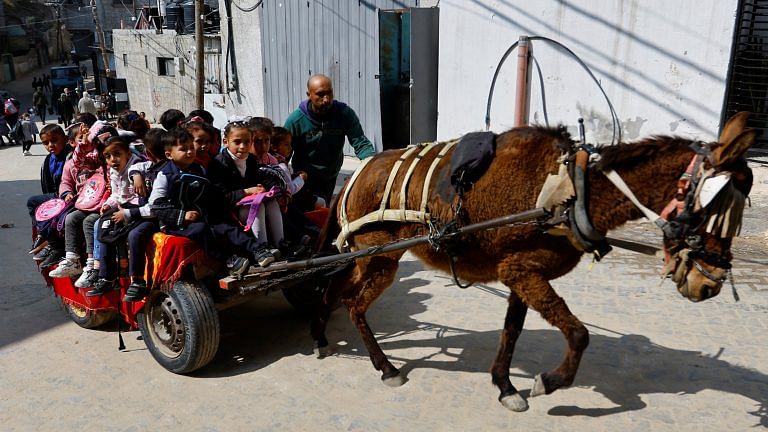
(87, 320)
(200, 321)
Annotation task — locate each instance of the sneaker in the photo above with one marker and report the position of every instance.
(54, 256)
(43, 253)
(38, 244)
(237, 265)
(102, 287)
(66, 268)
(27, 153)
(264, 257)
(136, 291)
(88, 279)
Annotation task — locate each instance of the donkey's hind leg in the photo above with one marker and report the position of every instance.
(513, 326)
(372, 276)
(538, 294)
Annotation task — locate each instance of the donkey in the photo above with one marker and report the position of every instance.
(526, 257)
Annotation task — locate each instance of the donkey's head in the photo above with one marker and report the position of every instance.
(697, 239)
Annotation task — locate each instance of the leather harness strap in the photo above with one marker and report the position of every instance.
(401, 214)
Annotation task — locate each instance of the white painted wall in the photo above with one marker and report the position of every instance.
(662, 63)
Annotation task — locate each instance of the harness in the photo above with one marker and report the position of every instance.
(401, 214)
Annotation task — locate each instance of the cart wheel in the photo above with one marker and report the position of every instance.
(305, 296)
(89, 320)
(180, 327)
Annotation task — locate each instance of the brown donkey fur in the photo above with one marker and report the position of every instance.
(523, 258)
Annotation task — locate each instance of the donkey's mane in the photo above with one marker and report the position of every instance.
(628, 155)
(558, 135)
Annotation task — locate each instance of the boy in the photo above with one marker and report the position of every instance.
(187, 205)
(55, 142)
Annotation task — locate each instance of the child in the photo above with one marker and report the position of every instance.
(83, 180)
(119, 158)
(261, 137)
(28, 132)
(236, 172)
(54, 140)
(280, 148)
(194, 209)
(202, 135)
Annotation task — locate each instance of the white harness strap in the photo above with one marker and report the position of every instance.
(401, 214)
(616, 179)
(343, 210)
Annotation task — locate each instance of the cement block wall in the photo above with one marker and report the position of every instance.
(663, 64)
(148, 91)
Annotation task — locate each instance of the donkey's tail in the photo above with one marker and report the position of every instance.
(331, 228)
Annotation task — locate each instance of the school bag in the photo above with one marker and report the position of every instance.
(90, 194)
(10, 107)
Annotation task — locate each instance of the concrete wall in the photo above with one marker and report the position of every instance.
(662, 63)
(147, 90)
(244, 88)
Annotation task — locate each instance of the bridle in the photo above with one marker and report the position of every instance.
(681, 222)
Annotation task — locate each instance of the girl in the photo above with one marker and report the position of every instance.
(83, 180)
(119, 158)
(29, 133)
(203, 135)
(261, 137)
(236, 172)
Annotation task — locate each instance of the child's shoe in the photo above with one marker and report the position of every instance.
(53, 257)
(237, 265)
(102, 287)
(39, 244)
(66, 268)
(264, 257)
(43, 253)
(88, 279)
(136, 291)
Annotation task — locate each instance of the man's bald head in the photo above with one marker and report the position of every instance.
(320, 93)
(319, 79)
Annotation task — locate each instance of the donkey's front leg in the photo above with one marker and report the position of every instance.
(373, 276)
(538, 294)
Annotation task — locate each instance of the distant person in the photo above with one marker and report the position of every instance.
(11, 111)
(46, 82)
(35, 83)
(40, 102)
(28, 133)
(84, 71)
(86, 104)
(66, 108)
(171, 119)
(319, 127)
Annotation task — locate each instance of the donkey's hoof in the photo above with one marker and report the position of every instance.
(538, 386)
(323, 351)
(514, 402)
(395, 380)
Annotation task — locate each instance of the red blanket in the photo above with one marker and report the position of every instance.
(167, 256)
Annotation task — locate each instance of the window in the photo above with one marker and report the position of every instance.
(125, 59)
(166, 66)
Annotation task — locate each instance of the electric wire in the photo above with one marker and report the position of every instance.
(616, 137)
(250, 8)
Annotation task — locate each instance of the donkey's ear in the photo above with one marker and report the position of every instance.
(733, 127)
(733, 150)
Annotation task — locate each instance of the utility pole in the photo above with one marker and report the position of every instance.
(199, 55)
(102, 42)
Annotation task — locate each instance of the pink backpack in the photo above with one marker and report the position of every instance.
(90, 194)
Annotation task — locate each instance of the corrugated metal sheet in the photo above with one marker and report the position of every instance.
(747, 87)
(338, 38)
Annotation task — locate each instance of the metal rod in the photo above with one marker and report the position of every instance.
(522, 91)
(199, 56)
(403, 244)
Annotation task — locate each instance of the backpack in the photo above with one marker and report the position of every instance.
(89, 196)
(10, 107)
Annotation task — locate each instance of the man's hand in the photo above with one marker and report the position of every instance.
(138, 185)
(118, 216)
(191, 216)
